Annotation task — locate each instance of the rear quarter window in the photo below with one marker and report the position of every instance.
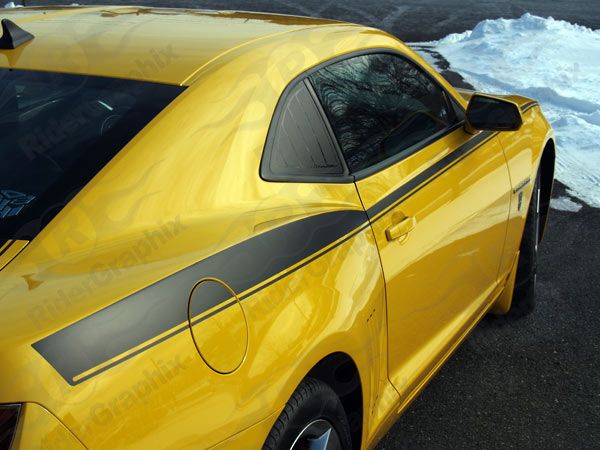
(299, 146)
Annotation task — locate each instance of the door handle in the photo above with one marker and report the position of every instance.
(400, 229)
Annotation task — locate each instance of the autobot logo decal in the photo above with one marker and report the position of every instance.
(12, 202)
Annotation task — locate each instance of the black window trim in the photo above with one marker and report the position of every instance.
(348, 177)
(406, 153)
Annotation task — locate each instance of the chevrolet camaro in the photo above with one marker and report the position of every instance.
(237, 230)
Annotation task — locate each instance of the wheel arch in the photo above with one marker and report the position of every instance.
(547, 162)
(340, 372)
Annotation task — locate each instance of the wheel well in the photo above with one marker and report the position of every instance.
(546, 182)
(339, 371)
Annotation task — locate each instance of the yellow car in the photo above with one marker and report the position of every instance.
(239, 231)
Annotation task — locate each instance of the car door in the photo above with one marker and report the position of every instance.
(437, 198)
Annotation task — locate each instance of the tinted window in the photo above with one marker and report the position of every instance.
(380, 105)
(299, 144)
(56, 132)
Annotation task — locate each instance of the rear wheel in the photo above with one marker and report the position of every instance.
(523, 302)
(313, 419)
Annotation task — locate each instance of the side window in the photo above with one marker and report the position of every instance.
(299, 145)
(381, 105)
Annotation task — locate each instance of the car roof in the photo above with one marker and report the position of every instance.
(162, 45)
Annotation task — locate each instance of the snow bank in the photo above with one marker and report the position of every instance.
(555, 62)
(565, 204)
(12, 5)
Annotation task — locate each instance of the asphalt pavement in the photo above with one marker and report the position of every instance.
(410, 20)
(533, 383)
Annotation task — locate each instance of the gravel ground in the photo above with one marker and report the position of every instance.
(532, 383)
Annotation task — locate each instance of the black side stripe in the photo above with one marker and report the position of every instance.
(436, 170)
(429, 174)
(8, 245)
(146, 314)
(143, 316)
(528, 106)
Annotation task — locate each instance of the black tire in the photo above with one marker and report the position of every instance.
(312, 403)
(523, 302)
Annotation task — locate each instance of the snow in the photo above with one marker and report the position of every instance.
(12, 5)
(552, 61)
(565, 204)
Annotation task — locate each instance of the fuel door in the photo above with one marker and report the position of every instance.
(220, 334)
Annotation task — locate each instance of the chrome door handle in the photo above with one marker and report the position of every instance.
(401, 229)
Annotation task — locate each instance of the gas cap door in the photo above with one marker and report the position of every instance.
(220, 334)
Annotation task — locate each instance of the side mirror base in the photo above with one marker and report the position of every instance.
(470, 129)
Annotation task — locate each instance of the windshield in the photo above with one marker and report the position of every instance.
(56, 132)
